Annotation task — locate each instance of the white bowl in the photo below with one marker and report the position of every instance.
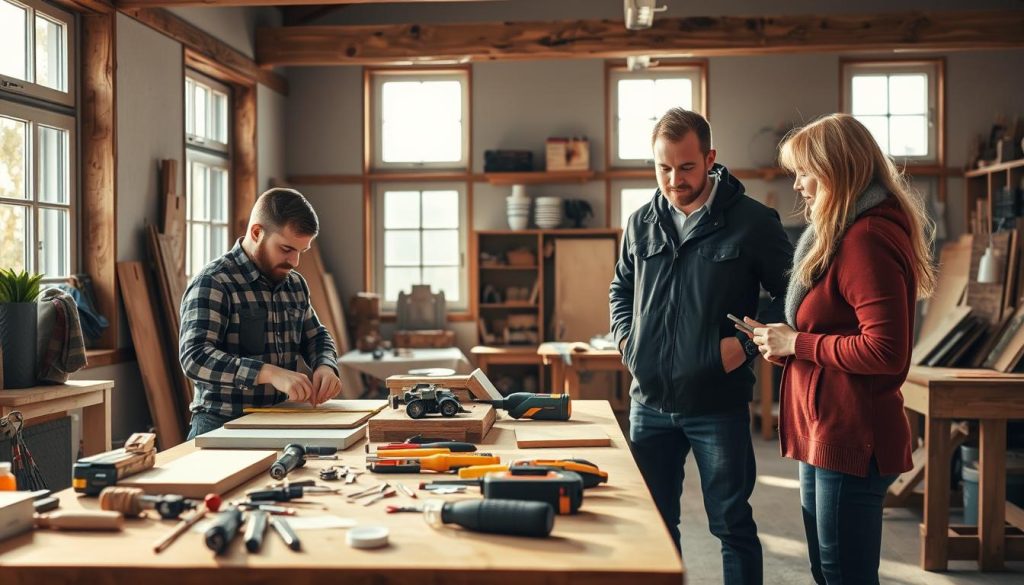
(518, 223)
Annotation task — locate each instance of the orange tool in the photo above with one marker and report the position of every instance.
(441, 463)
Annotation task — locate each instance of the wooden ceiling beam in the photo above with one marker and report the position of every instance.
(686, 36)
(231, 3)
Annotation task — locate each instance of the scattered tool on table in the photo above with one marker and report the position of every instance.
(211, 503)
(287, 493)
(91, 474)
(452, 446)
(133, 501)
(255, 528)
(295, 455)
(284, 530)
(534, 406)
(563, 490)
(510, 517)
(339, 472)
(392, 453)
(81, 520)
(405, 490)
(592, 475)
(223, 530)
(440, 463)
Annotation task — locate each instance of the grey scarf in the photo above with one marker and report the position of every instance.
(796, 292)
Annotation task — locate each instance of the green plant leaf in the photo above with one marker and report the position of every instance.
(18, 287)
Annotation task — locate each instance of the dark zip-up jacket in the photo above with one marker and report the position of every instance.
(669, 299)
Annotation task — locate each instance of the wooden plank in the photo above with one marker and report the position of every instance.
(1008, 350)
(170, 290)
(311, 268)
(224, 438)
(395, 425)
(900, 491)
(533, 435)
(926, 345)
(583, 269)
(99, 167)
(992, 494)
(243, 162)
(954, 271)
(338, 311)
(147, 337)
(986, 299)
(299, 420)
(697, 36)
(202, 472)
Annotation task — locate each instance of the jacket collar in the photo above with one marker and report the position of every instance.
(729, 189)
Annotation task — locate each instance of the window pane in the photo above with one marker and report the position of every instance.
(54, 171)
(398, 100)
(54, 242)
(879, 127)
(218, 241)
(421, 121)
(908, 94)
(401, 209)
(631, 200)
(635, 98)
(199, 111)
(442, 100)
(438, 141)
(13, 25)
(198, 198)
(197, 243)
(12, 156)
(672, 93)
(869, 95)
(14, 234)
(441, 247)
(218, 195)
(51, 54)
(635, 139)
(396, 144)
(399, 279)
(908, 136)
(190, 96)
(220, 115)
(402, 248)
(441, 209)
(446, 279)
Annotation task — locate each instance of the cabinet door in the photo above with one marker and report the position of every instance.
(583, 272)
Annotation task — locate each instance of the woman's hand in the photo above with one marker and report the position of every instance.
(775, 340)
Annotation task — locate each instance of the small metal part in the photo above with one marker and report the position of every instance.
(405, 490)
(388, 493)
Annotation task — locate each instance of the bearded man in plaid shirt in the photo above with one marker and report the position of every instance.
(246, 319)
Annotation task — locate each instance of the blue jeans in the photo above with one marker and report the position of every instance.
(725, 460)
(204, 422)
(843, 522)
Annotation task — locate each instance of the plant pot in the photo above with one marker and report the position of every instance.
(18, 333)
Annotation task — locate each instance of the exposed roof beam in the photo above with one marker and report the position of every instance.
(303, 15)
(222, 3)
(689, 36)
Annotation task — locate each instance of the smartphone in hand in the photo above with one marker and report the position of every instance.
(740, 322)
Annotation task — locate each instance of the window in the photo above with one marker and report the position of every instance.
(420, 119)
(640, 98)
(896, 101)
(631, 199)
(421, 240)
(36, 47)
(208, 158)
(38, 144)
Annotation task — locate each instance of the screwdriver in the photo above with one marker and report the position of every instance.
(440, 463)
(511, 517)
(534, 406)
(223, 530)
(255, 529)
(453, 446)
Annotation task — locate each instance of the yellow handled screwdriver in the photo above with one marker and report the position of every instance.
(442, 462)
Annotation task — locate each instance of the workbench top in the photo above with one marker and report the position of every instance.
(617, 537)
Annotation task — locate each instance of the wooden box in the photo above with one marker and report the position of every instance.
(425, 338)
(567, 154)
(395, 425)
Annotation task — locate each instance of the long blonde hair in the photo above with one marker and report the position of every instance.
(841, 153)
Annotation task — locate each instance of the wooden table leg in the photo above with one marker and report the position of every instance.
(96, 426)
(557, 375)
(992, 495)
(935, 529)
(572, 381)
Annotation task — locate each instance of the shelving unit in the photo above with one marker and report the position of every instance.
(982, 184)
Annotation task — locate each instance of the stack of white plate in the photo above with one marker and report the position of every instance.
(548, 212)
(518, 207)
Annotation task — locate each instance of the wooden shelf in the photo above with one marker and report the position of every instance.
(1001, 167)
(512, 305)
(531, 267)
(537, 177)
(105, 357)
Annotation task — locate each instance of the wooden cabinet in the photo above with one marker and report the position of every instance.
(991, 190)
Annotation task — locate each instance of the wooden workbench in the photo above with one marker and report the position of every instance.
(617, 538)
(943, 395)
(92, 396)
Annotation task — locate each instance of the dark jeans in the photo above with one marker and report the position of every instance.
(204, 422)
(843, 521)
(725, 460)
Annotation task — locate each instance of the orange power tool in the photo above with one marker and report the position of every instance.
(441, 463)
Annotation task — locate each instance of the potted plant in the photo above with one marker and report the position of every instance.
(18, 327)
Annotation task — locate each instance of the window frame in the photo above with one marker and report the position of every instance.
(36, 116)
(618, 186)
(615, 71)
(193, 140)
(379, 189)
(933, 68)
(375, 144)
(29, 88)
(213, 161)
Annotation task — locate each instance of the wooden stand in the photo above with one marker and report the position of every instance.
(395, 425)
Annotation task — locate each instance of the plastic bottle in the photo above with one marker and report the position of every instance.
(7, 481)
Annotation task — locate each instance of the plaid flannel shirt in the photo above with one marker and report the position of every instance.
(234, 320)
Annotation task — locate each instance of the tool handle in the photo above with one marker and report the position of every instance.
(81, 520)
(478, 471)
(223, 530)
(412, 452)
(292, 457)
(284, 530)
(282, 494)
(511, 517)
(254, 530)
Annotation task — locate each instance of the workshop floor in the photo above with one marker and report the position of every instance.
(776, 506)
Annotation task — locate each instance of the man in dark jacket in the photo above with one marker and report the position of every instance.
(699, 250)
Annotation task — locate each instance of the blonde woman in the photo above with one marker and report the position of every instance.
(858, 270)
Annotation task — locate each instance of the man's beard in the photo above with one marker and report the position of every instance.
(268, 269)
(676, 197)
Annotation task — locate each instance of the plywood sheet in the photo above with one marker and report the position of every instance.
(299, 420)
(534, 435)
(312, 269)
(395, 425)
(333, 405)
(583, 269)
(1007, 351)
(203, 472)
(927, 345)
(224, 438)
(954, 270)
(148, 338)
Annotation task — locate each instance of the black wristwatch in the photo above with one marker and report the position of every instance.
(749, 347)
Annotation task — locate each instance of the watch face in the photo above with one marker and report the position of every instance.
(750, 348)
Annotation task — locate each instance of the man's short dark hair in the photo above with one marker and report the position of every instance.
(677, 122)
(280, 207)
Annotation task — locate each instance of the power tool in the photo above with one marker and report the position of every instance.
(294, 456)
(441, 462)
(91, 474)
(562, 490)
(511, 517)
(592, 475)
(534, 406)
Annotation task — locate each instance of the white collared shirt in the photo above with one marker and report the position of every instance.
(685, 223)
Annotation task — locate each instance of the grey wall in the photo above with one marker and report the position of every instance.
(234, 26)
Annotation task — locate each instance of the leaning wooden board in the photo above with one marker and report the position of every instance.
(203, 472)
(395, 425)
(299, 420)
(536, 435)
(147, 338)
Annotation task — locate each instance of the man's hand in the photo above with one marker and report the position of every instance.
(778, 361)
(294, 385)
(733, 355)
(326, 385)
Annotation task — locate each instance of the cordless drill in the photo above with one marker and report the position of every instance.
(535, 406)
(294, 455)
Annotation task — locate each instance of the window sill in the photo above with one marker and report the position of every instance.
(98, 358)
